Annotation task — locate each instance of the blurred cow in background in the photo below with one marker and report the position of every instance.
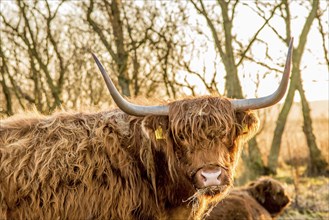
(263, 199)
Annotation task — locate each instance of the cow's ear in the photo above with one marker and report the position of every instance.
(247, 123)
(251, 184)
(268, 185)
(257, 191)
(260, 192)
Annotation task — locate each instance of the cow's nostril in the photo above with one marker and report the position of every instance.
(204, 178)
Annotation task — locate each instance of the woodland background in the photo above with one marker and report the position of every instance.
(165, 50)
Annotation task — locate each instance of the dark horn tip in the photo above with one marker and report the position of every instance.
(94, 56)
(291, 42)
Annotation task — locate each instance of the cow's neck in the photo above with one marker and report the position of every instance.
(175, 192)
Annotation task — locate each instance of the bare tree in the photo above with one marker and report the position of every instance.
(51, 50)
(139, 46)
(47, 64)
(324, 34)
(5, 88)
(47, 60)
(117, 50)
(317, 164)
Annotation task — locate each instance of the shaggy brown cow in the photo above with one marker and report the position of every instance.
(263, 199)
(139, 163)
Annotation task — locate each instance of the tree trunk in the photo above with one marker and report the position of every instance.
(5, 88)
(252, 162)
(294, 85)
(280, 125)
(122, 54)
(317, 164)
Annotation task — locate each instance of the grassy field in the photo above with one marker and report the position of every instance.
(293, 146)
(309, 198)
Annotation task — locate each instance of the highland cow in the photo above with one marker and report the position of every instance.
(263, 199)
(140, 162)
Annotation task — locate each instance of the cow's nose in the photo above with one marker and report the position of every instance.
(211, 179)
(208, 176)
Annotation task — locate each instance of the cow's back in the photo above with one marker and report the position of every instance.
(68, 166)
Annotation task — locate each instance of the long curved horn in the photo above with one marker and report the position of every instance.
(124, 105)
(263, 102)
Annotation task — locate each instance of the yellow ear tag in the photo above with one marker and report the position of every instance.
(245, 129)
(158, 133)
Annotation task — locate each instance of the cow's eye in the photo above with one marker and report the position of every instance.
(211, 135)
(181, 137)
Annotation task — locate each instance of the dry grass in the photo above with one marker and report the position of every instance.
(294, 146)
(310, 199)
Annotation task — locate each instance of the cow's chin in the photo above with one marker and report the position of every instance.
(213, 191)
(209, 193)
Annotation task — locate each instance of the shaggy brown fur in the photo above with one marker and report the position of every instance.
(262, 200)
(110, 165)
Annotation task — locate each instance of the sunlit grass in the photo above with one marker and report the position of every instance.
(309, 201)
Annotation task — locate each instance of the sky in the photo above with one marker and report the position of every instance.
(314, 71)
(315, 76)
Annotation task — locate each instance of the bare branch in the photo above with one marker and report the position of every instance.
(254, 38)
(324, 36)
